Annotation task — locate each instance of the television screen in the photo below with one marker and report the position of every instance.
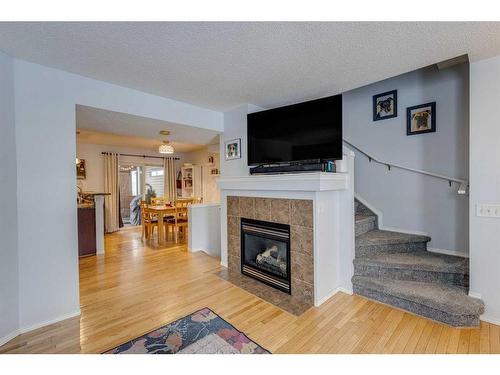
(304, 131)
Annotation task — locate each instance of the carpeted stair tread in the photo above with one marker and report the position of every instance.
(448, 299)
(364, 217)
(383, 237)
(420, 261)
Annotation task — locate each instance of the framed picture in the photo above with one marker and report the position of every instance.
(421, 119)
(80, 169)
(233, 149)
(385, 105)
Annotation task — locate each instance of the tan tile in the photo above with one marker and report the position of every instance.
(233, 245)
(247, 207)
(263, 209)
(302, 267)
(280, 211)
(234, 263)
(233, 206)
(301, 239)
(302, 213)
(302, 290)
(233, 226)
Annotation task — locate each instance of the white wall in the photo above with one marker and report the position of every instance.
(45, 101)
(235, 126)
(411, 201)
(485, 184)
(211, 193)
(9, 311)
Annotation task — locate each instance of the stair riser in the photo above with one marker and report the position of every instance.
(364, 250)
(453, 320)
(365, 226)
(445, 278)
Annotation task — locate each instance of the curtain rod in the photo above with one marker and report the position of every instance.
(143, 156)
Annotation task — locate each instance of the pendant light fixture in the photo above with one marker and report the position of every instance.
(166, 147)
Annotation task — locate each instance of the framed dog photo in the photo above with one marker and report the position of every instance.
(421, 119)
(233, 149)
(385, 105)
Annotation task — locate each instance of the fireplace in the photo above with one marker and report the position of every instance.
(265, 252)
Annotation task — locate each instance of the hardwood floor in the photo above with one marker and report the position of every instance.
(135, 288)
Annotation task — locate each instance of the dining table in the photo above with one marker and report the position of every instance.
(162, 211)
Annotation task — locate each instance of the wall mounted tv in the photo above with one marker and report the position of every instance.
(294, 133)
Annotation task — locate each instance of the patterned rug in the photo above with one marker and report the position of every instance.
(202, 332)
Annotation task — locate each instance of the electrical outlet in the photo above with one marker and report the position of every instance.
(488, 210)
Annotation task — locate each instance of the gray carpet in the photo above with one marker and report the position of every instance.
(396, 269)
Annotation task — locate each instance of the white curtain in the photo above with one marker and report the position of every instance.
(111, 202)
(169, 179)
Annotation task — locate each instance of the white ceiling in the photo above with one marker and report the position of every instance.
(111, 139)
(100, 126)
(220, 65)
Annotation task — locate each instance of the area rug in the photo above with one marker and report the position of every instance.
(202, 332)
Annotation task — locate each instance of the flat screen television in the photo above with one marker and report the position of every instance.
(298, 132)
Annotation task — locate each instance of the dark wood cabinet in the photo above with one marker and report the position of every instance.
(86, 231)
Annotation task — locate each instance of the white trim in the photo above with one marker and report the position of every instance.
(448, 252)
(331, 294)
(377, 212)
(310, 181)
(490, 319)
(400, 230)
(474, 295)
(8, 337)
(49, 322)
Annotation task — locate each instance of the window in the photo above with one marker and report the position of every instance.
(156, 172)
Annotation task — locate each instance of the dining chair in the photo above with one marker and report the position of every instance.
(149, 221)
(178, 223)
(157, 201)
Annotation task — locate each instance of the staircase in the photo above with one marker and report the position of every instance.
(396, 269)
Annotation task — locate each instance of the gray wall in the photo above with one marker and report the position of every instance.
(9, 311)
(408, 201)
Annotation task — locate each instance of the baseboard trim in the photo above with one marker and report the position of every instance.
(490, 319)
(474, 295)
(331, 294)
(448, 252)
(8, 337)
(49, 322)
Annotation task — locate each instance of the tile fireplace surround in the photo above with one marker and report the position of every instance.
(297, 213)
(318, 207)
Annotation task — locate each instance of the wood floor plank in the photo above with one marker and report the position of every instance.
(137, 287)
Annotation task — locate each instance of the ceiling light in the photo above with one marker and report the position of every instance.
(166, 147)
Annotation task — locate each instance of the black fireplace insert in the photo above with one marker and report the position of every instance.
(265, 252)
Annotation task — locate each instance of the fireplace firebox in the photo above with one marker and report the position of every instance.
(265, 252)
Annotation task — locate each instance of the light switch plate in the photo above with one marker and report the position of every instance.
(488, 210)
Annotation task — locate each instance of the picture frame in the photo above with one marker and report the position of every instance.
(81, 172)
(232, 149)
(385, 105)
(421, 119)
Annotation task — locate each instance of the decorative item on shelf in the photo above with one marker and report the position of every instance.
(421, 119)
(214, 172)
(166, 147)
(233, 149)
(385, 105)
(81, 173)
(210, 160)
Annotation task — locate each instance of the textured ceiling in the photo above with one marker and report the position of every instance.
(221, 65)
(137, 131)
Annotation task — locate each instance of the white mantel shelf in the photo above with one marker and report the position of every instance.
(314, 181)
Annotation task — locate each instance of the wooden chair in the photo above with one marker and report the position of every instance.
(178, 223)
(149, 221)
(158, 201)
